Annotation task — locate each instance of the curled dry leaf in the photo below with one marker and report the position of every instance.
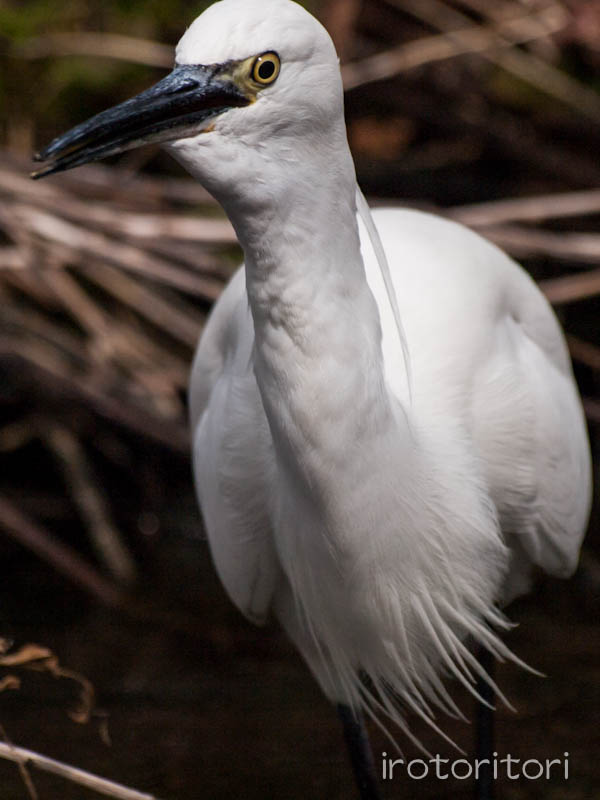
(10, 682)
(25, 656)
(41, 659)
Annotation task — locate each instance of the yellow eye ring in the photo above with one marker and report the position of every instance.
(265, 68)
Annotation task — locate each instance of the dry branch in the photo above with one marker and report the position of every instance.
(85, 488)
(55, 383)
(584, 352)
(148, 303)
(88, 244)
(529, 209)
(99, 45)
(14, 522)
(469, 39)
(73, 774)
(118, 221)
(525, 242)
(570, 288)
(21, 764)
(523, 65)
(99, 182)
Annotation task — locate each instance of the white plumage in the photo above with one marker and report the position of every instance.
(380, 525)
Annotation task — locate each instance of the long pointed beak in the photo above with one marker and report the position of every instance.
(178, 106)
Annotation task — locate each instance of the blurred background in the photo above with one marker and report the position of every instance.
(487, 111)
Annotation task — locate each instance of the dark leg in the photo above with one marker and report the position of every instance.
(484, 744)
(361, 757)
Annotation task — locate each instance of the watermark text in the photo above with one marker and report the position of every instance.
(532, 769)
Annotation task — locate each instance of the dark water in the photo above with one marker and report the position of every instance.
(202, 705)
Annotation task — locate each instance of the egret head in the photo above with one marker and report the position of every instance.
(256, 84)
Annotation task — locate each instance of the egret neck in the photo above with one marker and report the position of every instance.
(318, 358)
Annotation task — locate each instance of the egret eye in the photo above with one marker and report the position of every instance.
(266, 68)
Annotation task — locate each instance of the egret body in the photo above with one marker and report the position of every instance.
(382, 508)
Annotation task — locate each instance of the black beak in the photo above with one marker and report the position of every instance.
(178, 106)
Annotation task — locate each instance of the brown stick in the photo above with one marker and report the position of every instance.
(22, 766)
(526, 242)
(523, 65)
(584, 352)
(63, 558)
(468, 39)
(12, 258)
(84, 488)
(90, 243)
(139, 225)
(149, 304)
(52, 381)
(528, 209)
(74, 774)
(570, 288)
(104, 45)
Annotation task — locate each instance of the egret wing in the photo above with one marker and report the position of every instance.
(529, 428)
(232, 455)
(489, 359)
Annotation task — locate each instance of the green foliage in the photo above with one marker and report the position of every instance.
(43, 96)
(19, 21)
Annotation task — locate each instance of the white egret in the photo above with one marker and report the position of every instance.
(384, 507)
